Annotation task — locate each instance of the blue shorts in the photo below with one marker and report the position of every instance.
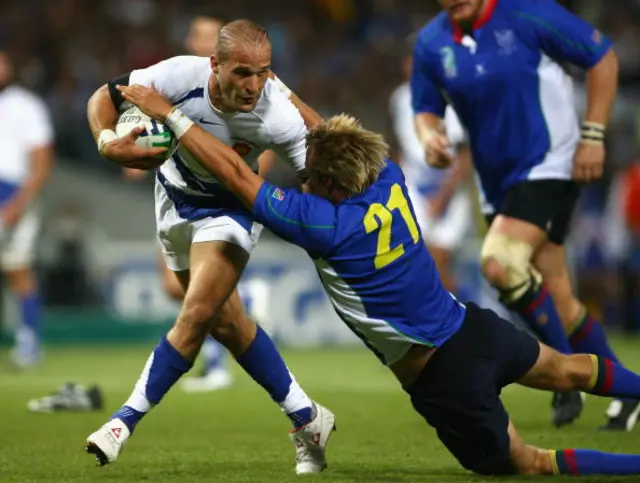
(458, 392)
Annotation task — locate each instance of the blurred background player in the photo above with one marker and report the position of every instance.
(497, 63)
(442, 207)
(26, 137)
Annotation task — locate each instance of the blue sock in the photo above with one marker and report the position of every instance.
(610, 379)
(213, 353)
(265, 365)
(586, 462)
(31, 317)
(537, 309)
(164, 367)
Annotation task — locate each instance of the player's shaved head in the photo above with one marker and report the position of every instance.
(345, 155)
(241, 35)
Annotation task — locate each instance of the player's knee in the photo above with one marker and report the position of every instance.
(506, 265)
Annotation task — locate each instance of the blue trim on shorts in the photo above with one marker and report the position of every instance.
(195, 207)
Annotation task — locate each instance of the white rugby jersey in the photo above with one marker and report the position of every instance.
(24, 127)
(274, 124)
(414, 164)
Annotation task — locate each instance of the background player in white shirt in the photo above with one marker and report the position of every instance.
(442, 207)
(26, 137)
(206, 233)
(201, 41)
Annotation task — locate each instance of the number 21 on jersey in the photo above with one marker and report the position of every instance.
(380, 217)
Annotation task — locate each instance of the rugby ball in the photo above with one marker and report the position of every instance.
(155, 135)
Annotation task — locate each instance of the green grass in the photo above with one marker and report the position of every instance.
(239, 435)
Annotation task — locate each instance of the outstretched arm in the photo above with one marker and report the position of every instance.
(222, 161)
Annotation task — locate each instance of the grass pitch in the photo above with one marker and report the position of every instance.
(239, 435)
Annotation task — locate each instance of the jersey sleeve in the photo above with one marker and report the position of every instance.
(426, 95)
(171, 77)
(563, 36)
(40, 133)
(302, 219)
(287, 132)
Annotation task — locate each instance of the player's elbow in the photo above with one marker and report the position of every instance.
(607, 66)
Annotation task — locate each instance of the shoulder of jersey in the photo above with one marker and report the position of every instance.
(274, 106)
(23, 95)
(186, 71)
(433, 29)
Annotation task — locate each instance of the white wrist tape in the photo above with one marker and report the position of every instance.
(178, 122)
(105, 137)
(282, 86)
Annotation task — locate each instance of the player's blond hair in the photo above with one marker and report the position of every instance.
(351, 156)
(240, 33)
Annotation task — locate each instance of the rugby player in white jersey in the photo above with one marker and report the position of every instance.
(206, 232)
(442, 208)
(26, 136)
(201, 41)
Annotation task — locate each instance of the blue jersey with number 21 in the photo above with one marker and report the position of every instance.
(373, 264)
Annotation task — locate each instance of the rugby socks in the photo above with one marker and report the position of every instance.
(265, 365)
(213, 353)
(587, 462)
(537, 309)
(163, 368)
(28, 334)
(611, 379)
(587, 336)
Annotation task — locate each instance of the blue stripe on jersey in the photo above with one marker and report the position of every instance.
(192, 181)
(194, 207)
(192, 94)
(7, 191)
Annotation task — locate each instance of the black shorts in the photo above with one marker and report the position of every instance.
(546, 203)
(458, 392)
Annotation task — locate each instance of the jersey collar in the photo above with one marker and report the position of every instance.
(480, 22)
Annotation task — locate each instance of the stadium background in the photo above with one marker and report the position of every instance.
(97, 258)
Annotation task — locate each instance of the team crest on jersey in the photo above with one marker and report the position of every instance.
(506, 40)
(278, 194)
(449, 63)
(597, 36)
(241, 148)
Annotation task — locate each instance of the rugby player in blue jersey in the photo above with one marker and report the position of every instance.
(355, 221)
(497, 62)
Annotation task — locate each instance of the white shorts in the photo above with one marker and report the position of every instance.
(448, 231)
(18, 244)
(176, 232)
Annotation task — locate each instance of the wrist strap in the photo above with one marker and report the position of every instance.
(592, 133)
(105, 137)
(178, 122)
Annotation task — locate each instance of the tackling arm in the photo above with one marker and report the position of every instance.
(602, 88)
(225, 164)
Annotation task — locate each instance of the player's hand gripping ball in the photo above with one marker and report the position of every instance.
(153, 134)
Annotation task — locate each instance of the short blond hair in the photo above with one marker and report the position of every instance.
(350, 155)
(240, 33)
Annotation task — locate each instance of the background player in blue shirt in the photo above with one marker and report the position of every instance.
(356, 223)
(497, 62)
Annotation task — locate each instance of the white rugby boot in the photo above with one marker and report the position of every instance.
(107, 442)
(311, 441)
